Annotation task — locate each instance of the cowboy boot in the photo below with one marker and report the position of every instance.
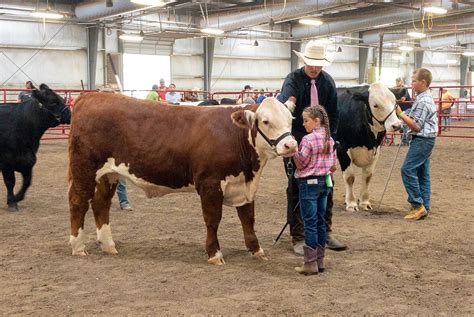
(320, 257)
(309, 266)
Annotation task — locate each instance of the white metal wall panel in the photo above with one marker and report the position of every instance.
(146, 47)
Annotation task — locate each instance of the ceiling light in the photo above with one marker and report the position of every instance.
(405, 48)
(418, 35)
(313, 22)
(131, 37)
(468, 53)
(324, 41)
(156, 3)
(212, 31)
(47, 15)
(451, 61)
(435, 10)
(397, 57)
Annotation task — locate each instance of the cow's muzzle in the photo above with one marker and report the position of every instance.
(274, 142)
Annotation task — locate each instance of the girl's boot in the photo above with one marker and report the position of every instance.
(309, 266)
(320, 257)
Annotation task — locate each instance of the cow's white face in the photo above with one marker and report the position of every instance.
(273, 119)
(382, 104)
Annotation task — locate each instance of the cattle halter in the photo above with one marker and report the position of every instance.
(273, 142)
(381, 122)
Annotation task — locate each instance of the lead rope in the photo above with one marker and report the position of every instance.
(390, 174)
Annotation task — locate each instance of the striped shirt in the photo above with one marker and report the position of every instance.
(423, 112)
(310, 156)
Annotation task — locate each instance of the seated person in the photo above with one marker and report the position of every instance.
(153, 94)
(172, 96)
(25, 95)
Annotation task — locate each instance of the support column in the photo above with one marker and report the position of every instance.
(363, 61)
(208, 43)
(294, 62)
(92, 45)
(419, 58)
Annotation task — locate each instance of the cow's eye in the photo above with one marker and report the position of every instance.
(376, 106)
(265, 122)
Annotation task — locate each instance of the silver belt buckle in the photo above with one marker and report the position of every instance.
(312, 181)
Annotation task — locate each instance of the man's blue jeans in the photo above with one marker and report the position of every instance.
(122, 193)
(313, 200)
(416, 171)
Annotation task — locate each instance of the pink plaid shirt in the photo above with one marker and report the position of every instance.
(310, 156)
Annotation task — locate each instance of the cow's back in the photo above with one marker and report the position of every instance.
(160, 143)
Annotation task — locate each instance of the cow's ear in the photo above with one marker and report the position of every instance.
(362, 96)
(243, 118)
(44, 87)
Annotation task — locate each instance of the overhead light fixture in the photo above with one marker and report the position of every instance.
(397, 57)
(212, 31)
(405, 48)
(468, 53)
(417, 35)
(313, 22)
(131, 37)
(47, 15)
(324, 41)
(435, 10)
(451, 61)
(155, 3)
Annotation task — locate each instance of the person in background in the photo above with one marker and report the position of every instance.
(447, 102)
(123, 195)
(309, 85)
(404, 101)
(423, 126)
(172, 96)
(25, 95)
(246, 96)
(261, 96)
(191, 96)
(315, 161)
(162, 89)
(153, 94)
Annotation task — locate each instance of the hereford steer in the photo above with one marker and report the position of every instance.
(21, 127)
(365, 114)
(219, 152)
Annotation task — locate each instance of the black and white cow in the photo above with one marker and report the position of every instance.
(21, 128)
(366, 113)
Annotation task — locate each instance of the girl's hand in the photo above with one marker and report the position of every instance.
(333, 168)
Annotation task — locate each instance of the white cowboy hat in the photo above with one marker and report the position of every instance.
(314, 55)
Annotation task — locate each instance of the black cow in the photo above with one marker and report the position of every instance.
(21, 128)
(366, 113)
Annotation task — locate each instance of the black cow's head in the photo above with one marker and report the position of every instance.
(53, 103)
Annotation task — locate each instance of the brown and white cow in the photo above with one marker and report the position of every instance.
(219, 152)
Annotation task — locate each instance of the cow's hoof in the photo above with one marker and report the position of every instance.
(366, 206)
(352, 208)
(260, 255)
(109, 249)
(217, 259)
(12, 208)
(80, 253)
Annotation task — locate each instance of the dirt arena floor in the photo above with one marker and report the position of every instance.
(392, 267)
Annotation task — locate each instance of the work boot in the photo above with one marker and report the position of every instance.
(298, 247)
(309, 267)
(417, 213)
(334, 244)
(320, 257)
(126, 207)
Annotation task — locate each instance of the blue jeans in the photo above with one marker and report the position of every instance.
(313, 200)
(406, 137)
(122, 193)
(416, 171)
(447, 119)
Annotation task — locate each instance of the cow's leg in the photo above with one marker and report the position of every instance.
(101, 207)
(247, 218)
(27, 175)
(9, 180)
(79, 197)
(367, 173)
(211, 202)
(348, 175)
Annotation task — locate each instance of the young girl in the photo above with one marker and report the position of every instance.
(314, 160)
